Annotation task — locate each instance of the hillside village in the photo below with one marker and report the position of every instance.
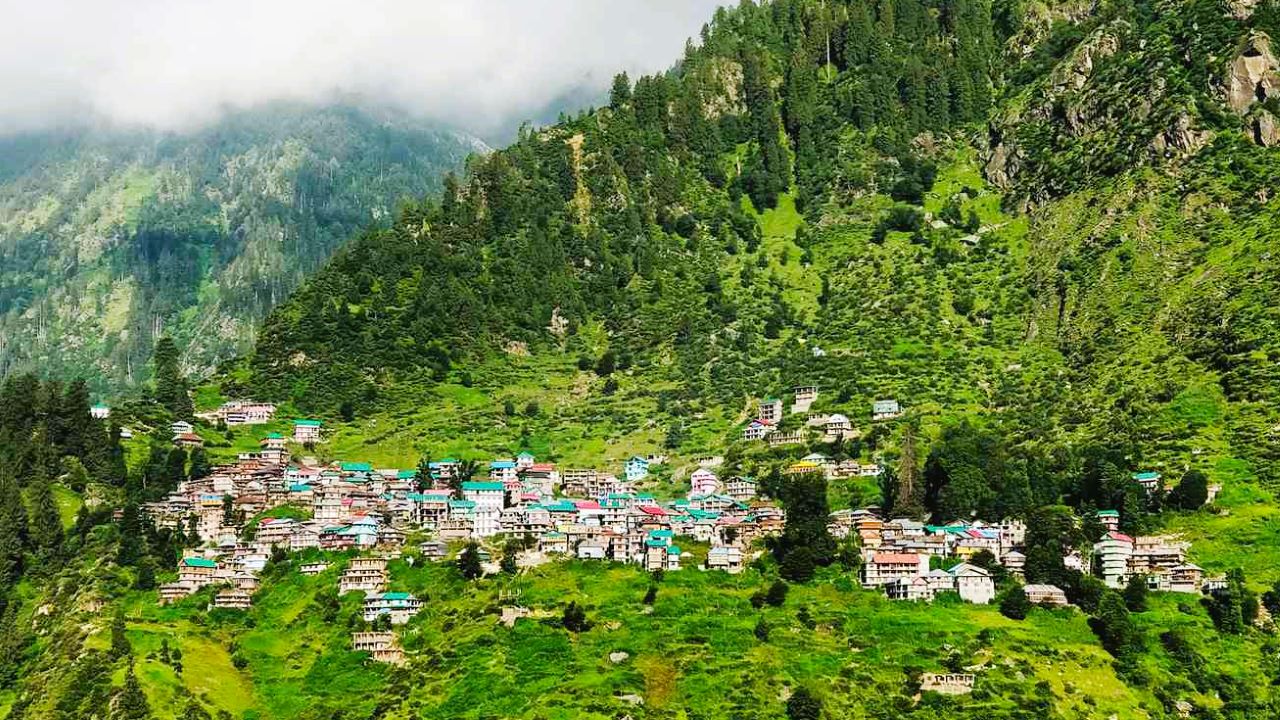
(539, 512)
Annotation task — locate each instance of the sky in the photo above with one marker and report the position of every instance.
(481, 65)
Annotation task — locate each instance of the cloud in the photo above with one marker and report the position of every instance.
(174, 64)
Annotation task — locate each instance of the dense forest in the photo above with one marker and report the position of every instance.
(111, 238)
(1117, 237)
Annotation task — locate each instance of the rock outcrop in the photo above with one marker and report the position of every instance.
(1255, 75)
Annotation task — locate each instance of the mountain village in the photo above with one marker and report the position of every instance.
(587, 514)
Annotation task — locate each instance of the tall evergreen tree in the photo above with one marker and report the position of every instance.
(13, 528)
(45, 521)
(171, 388)
(131, 703)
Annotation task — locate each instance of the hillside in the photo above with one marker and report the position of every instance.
(1044, 228)
(109, 238)
(1065, 271)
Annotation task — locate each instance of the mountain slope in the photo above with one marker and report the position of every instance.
(110, 238)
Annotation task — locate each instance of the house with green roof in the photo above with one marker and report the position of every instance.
(306, 431)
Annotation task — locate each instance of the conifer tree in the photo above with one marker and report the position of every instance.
(131, 703)
(119, 641)
(469, 562)
(45, 521)
(171, 388)
(13, 528)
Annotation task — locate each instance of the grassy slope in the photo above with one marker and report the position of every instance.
(694, 649)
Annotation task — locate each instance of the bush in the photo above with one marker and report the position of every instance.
(777, 593)
(1014, 604)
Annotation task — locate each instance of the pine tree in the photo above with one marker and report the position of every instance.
(131, 703)
(802, 705)
(119, 641)
(46, 523)
(469, 562)
(13, 528)
(199, 464)
(910, 495)
(131, 538)
(171, 388)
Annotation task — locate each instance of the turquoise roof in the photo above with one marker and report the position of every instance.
(397, 596)
(299, 487)
(306, 423)
(1148, 475)
(356, 467)
(199, 562)
(478, 486)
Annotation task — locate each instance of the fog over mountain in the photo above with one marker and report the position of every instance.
(480, 64)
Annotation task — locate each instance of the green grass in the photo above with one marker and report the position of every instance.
(694, 648)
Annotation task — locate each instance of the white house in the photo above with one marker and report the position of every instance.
(974, 583)
(306, 431)
(885, 410)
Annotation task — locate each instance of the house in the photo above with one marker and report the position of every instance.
(188, 440)
(314, 568)
(232, 599)
(1051, 595)
(703, 482)
(636, 469)
(306, 431)
(1112, 554)
(740, 488)
(434, 550)
(553, 542)
(1187, 578)
(757, 429)
(181, 426)
(99, 412)
(974, 583)
(885, 410)
(1149, 480)
(488, 499)
(770, 410)
(883, 567)
(525, 460)
(725, 557)
(779, 439)
(399, 606)
(366, 574)
(940, 580)
(1014, 561)
(503, 470)
(805, 396)
(273, 441)
(912, 588)
(381, 646)
(197, 571)
(1110, 519)
(947, 684)
(593, 550)
(837, 427)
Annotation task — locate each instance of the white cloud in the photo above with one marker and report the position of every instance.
(482, 64)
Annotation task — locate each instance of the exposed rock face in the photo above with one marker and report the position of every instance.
(1266, 131)
(1255, 75)
(1181, 139)
(1242, 9)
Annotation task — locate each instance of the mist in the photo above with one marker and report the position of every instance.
(480, 65)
